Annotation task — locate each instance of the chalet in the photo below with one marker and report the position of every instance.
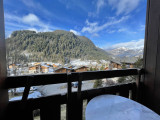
(115, 64)
(44, 68)
(62, 70)
(32, 70)
(36, 64)
(12, 66)
(69, 66)
(106, 68)
(80, 69)
(55, 66)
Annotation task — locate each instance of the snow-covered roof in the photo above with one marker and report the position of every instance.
(77, 67)
(45, 66)
(50, 70)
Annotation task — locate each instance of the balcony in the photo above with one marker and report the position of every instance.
(145, 91)
(50, 106)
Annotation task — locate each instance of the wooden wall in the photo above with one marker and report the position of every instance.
(3, 92)
(151, 80)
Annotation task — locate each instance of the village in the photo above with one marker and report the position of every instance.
(55, 68)
(74, 66)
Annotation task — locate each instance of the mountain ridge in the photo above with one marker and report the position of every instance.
(57, 46)
(124, 54)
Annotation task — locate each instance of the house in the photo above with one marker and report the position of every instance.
(69, 66)
(44, 68)
(62, 70)
(106, 68)
(32, 70)
(12, 66)
(80, 69)
(36, 64)
(50, 70)
(54, 66)
(115, 64)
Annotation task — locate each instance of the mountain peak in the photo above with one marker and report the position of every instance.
(125, 52)
(54, 46)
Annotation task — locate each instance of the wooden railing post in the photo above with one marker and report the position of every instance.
(79, 97)
(27, 88)
(138, 85)
(69, 97)
(50, 110)
(74, 101)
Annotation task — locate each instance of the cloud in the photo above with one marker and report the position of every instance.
(95, 35)
(123, 6)
(75, 32)
(134, 44)
(32, 4)
(26, 22)
(111, 31)
(9, 17)
(30, 19)
(94, 27)
(122, 30)
(100, 4)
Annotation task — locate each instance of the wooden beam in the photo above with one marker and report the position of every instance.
(151, 78)
(3, 92)
(44, 79)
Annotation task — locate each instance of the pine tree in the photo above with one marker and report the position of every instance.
(97, 83)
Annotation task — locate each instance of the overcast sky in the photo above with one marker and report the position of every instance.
(108, 23)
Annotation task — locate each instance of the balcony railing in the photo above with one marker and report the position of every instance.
(50, 106)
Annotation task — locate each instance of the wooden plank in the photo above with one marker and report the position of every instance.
(20, 81)
(50, 111)
(138, 87)
(150, 55)
(27, 114)
(79, 98)
(69, 97)
(27, 88)
(157, 74)
(92, 75)
(19, 111)
(3, 71)
(134, 93)
(124, 93)
(44, 79)
(151, 79)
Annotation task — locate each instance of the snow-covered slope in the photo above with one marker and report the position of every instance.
(125, 52)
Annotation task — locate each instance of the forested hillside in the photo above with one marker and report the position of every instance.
(57, 46)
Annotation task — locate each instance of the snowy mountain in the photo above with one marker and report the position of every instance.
(125, 52)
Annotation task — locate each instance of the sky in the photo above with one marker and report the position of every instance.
(108, 23)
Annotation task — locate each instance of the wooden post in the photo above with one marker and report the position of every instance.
(138, 86)
(79, 98)
(69, 97)
(3, 71)
(151, 78)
